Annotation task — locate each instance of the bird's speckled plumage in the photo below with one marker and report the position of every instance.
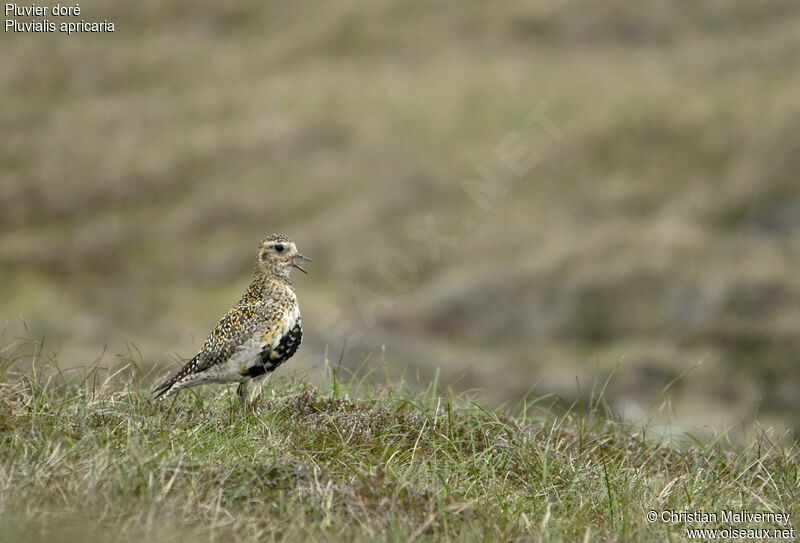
(256, 335)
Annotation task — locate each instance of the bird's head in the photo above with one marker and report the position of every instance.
(277, 255)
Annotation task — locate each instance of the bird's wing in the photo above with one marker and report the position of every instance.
(235, 328)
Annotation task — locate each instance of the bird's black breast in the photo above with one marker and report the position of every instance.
(272, 358)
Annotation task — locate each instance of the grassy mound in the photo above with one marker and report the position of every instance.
(88, 456)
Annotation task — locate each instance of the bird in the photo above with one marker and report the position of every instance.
(261, 332)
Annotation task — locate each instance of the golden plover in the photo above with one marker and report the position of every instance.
(257, 335)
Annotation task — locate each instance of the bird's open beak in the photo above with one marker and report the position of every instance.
(301, 257)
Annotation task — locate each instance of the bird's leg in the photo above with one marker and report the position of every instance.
(256, 394)
(242, 391)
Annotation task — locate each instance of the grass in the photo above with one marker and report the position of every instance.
(86, 453)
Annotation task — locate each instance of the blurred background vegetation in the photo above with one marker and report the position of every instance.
(654, 224)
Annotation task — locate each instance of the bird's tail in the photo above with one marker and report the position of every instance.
(173, 384)
(162, 390)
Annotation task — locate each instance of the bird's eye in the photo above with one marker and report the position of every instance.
(279, 248)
